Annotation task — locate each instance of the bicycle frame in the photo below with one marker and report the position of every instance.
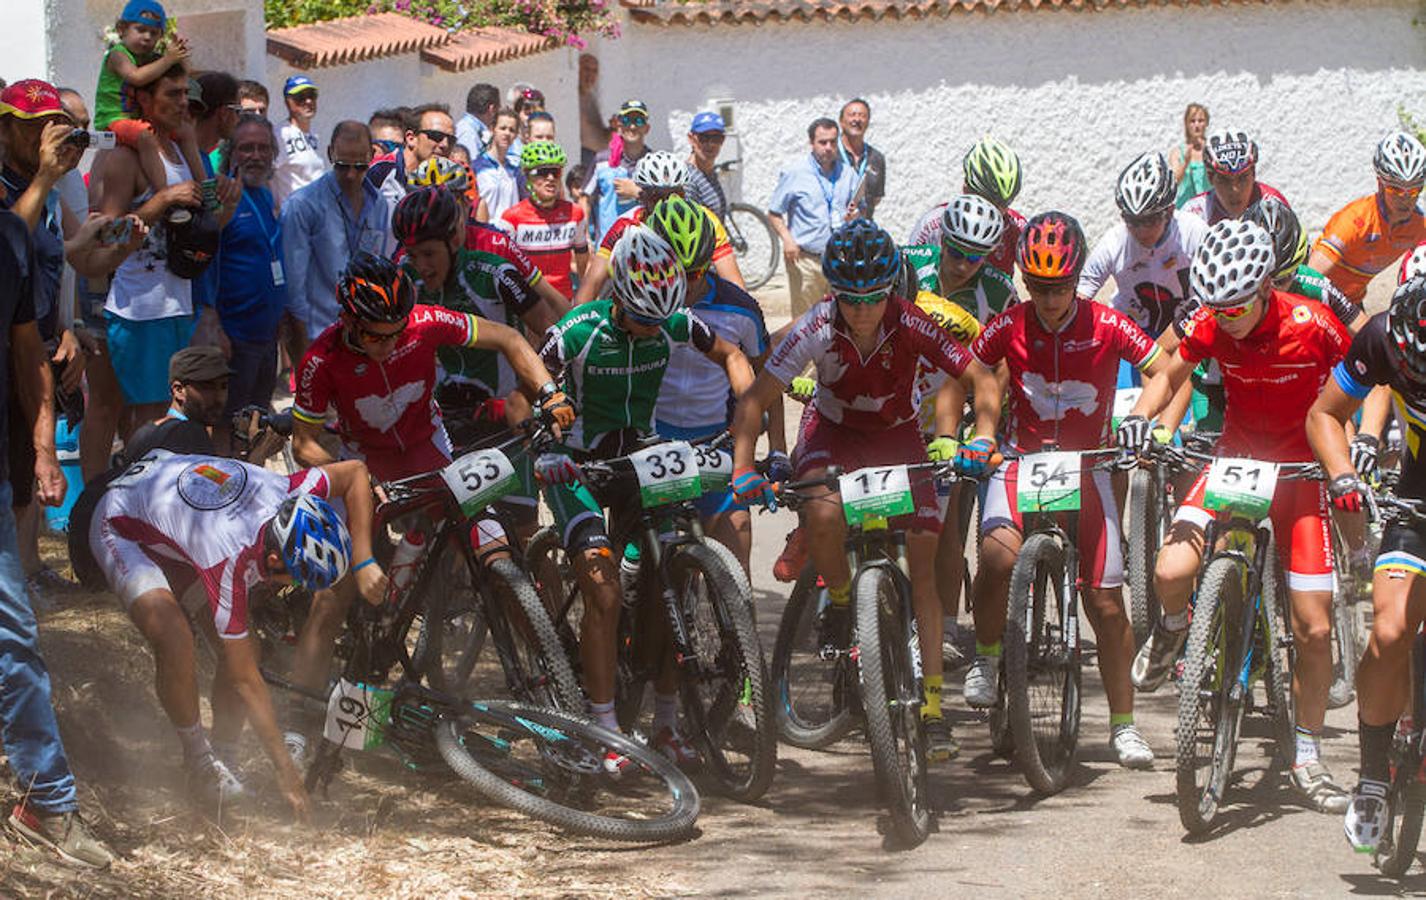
(1249, 544)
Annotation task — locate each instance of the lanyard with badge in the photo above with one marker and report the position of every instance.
(273, 249)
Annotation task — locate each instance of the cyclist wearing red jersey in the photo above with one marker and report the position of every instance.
(547, 227)
(866, 344)
(1062, 352)
(1372, 232)
(1276, 351)
(376, 365)
(1231, 160)
(992, 171)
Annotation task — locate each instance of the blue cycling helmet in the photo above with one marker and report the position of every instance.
(312, 540)
(860, 259)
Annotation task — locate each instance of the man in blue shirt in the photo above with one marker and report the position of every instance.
(324, 225)
(610, 191)
(252, 279)
(473, 128)
(813, 196)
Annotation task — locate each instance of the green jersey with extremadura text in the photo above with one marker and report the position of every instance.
(989, 293)
(613, 377)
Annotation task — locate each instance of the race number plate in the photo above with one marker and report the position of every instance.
(1124, 400)
(667, 473)
(876, 492)
(479, 478)
(715, 467)
(1241, 486)
(357, 715)
(1048, 482)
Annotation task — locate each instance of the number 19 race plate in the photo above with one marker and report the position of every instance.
(1048, 482)
(876, 492)
(1242, 486)
(480, 478)
(667, 473)
(357, 715)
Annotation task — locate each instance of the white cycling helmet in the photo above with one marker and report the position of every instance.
(647, 278)
(1412, 264)
(661, 169)
(1400, 160)
(1233, 261)
(972, 222)
(1145, 186)
(1229, 151)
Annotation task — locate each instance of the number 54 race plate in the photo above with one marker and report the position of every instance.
(1048, 482)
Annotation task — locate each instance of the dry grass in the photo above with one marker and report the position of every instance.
(385, 831)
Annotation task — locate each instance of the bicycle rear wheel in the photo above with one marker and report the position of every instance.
(1280, 660)
(1042, 669)
(1145, 538)
(813, 696)
(549, 765)
(891, 700)
(755, 243)
(1406, 800)
(726, 700)
(1210, 706)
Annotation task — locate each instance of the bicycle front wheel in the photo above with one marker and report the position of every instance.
(1042, 667)
(536, 667)
(1210, 704)
(891, 700)
(755, 243)
(813, 694)
(549, 765)
(1406, 800)
(1145, 538)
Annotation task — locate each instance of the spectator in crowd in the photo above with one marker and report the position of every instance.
(299, 161)
(459, 155)
(526, 101)
(388, 131)
(813, 196)
(540, 126)
(498, 181)
(149, 309)
(594, 129)
(253, 97)
(215, 113)
(473, 129)
(429, 132)
(610, 191)
(252, 280)
(864, 159)
(198, 379)
(549, 228)
(1186, 160)
(49, 809)
(325, 224)
(705, 142)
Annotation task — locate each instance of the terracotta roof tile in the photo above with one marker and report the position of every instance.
(734, 12)
(343, 41)
(484, 46)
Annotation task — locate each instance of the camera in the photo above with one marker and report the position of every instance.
(85, 139)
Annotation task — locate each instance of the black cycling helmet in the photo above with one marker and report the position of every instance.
(1406, 321)
(426, 214)
(374, 289)
(860, 259)
(1289, 240)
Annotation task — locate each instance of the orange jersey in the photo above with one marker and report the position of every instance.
(1360, 242)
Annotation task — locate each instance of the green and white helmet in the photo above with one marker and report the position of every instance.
(992, 170)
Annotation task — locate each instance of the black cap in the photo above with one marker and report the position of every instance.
(192, 364)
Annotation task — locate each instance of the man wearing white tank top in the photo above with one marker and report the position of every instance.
(149, 310)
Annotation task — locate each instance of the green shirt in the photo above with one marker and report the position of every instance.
(109, 95)
(1312, 284)
(990, 293)
(612, 377)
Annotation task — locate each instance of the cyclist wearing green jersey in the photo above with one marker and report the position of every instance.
(611, 356)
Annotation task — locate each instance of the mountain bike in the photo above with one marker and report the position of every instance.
(1352, 569)
(1038, 710)
(680, 592)
(1238, 634)
(755, 242)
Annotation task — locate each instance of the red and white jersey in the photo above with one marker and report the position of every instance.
(1272, 376)
(548, 235)
(385, 410)
(872, 392)
(1062, 382)
(200, 520)
(1207, 207)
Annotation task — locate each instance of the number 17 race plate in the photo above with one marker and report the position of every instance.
(876, 492)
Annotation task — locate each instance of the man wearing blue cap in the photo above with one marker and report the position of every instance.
(705, 139)
(298, 161)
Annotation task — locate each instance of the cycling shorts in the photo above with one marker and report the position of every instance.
(1402, 550)
(1300, 526)
(823, 443)
(132, 570)
(1101, 548)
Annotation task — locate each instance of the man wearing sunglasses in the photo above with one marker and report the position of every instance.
(1276, 351)
(299, 162)
(705, 141)
(610, 191)
(1230, 158)
(1372, 232)
(547, 227)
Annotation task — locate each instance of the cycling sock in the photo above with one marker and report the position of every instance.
(1375, 743)
(604, 714)
(1175, 621)
(194, 740)
(931, 708)
(841, 596)
(1117, 719)
(665, 711)
(1306, 747)
(987, 649)
(227, 751)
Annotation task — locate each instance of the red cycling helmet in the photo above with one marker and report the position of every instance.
(1051, 248)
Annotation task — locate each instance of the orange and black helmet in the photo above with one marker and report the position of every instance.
(1051, 248)
(427, 214)
(374, 289)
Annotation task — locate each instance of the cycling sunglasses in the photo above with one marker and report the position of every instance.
(437, 136)
(376, 338)
(637, 319)
(544, 172)
(634, 121)
(358, 166)
(1232, 313)
(957, 253)
(1146, 221)
(868, 299)
(1397, 190)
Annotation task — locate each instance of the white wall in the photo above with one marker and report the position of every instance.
(24, 52)
(354, 91)
(1077, 94)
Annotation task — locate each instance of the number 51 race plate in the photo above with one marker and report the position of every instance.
(1242, 486)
